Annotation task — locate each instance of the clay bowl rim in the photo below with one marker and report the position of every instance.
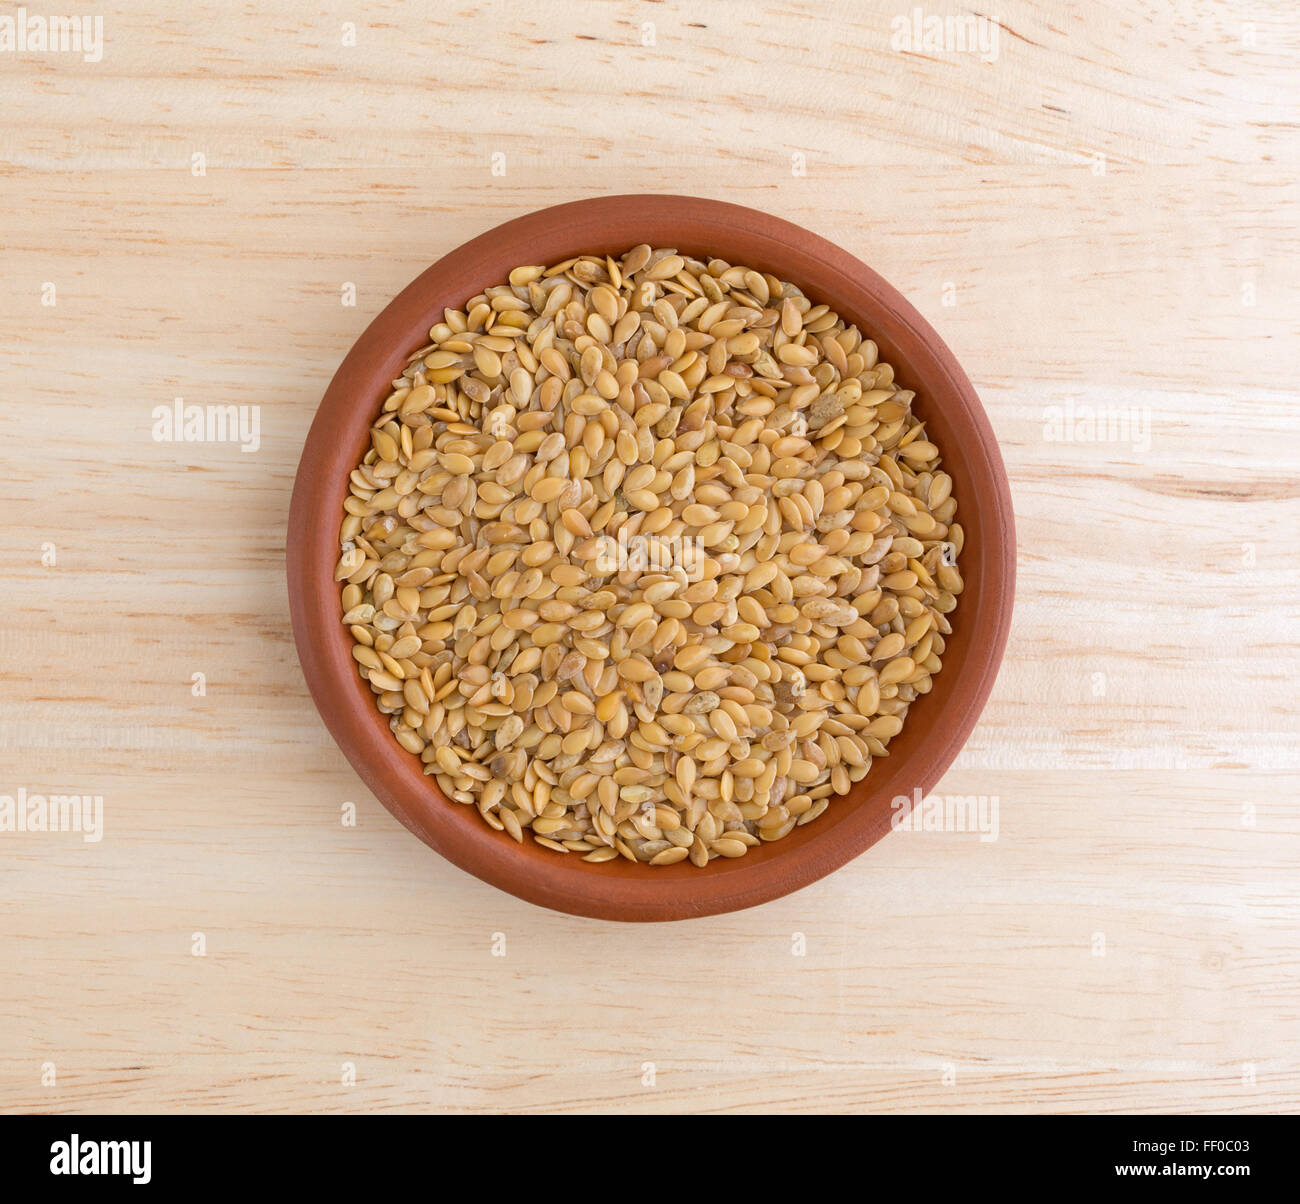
(938, 724)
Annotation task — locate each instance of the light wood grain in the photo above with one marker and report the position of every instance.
(1142, 737)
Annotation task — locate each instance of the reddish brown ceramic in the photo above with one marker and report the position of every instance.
(937, 725)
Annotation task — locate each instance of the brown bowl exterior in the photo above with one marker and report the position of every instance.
(937, 725)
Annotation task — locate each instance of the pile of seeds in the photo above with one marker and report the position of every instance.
(648, 557)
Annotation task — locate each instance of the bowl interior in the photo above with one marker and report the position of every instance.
(937, 724)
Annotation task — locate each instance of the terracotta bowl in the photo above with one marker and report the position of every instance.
(937, 725)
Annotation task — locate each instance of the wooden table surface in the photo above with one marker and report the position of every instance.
(1099, 214)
